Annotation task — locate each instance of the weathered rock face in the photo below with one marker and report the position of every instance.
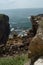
(32, 32)
(34, 24)
(4, 28)
(36, 45)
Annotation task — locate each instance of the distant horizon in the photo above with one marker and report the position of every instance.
(20, 8)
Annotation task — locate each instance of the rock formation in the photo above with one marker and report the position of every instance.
(22, 44)
(4, 29)
(36, 45)
(34, 24)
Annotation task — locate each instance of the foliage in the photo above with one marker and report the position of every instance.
(18, 60)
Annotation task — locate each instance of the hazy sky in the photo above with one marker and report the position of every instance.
(14, 4)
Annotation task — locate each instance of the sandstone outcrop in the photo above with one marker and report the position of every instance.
(36, 45)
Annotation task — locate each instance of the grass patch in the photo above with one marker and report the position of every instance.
(18, 60)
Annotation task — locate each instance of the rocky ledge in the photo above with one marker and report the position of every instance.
(36, 44)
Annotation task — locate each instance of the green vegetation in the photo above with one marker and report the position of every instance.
(18, 60)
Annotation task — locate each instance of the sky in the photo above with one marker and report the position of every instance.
(16, 4)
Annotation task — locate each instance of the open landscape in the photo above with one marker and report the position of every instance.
(19, 49)
(21, 32)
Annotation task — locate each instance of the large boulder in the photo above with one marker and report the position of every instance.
(36, 45)
(4, 29)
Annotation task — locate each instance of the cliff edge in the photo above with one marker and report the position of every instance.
(36, 45)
